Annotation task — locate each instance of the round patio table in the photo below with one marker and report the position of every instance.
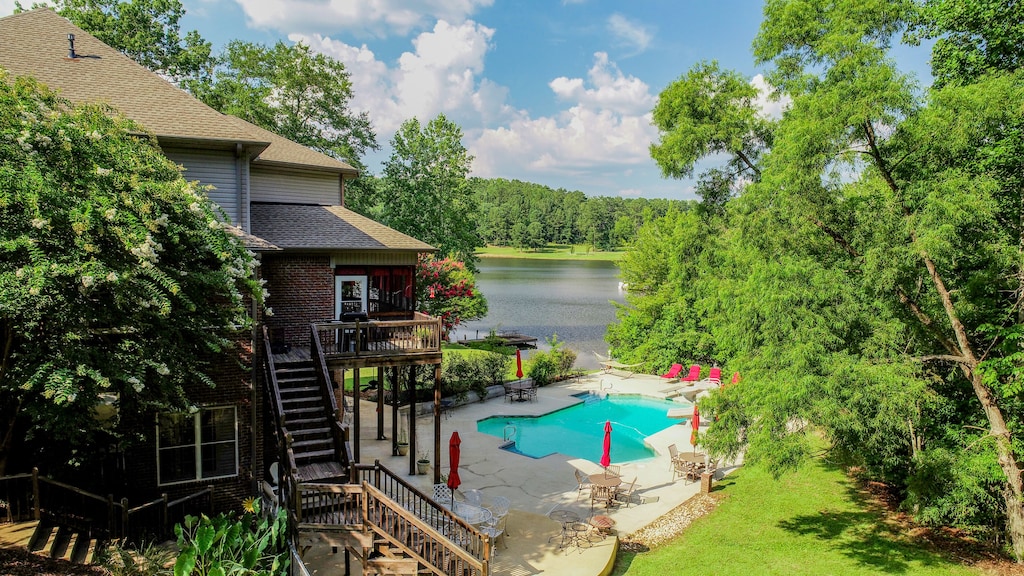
(606, 483)
(472, 514)
(566, 518)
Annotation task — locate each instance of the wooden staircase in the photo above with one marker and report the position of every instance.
(64, 542)
(386, 537)
(308, 421)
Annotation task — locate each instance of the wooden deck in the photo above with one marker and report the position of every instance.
(511, 338)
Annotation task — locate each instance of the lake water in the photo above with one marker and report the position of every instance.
(571, 298)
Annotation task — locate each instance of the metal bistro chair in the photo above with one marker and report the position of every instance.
(627, 494)
(583, 482)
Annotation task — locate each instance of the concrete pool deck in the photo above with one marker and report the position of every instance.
(536, 486)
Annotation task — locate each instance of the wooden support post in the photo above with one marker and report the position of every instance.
(355, 412)
(412, 420)
(165, 514)
(124, 518)
(36, 512)
(437, 423)
(395, 424)
(380, 404)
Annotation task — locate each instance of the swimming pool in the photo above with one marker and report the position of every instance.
(578, 430)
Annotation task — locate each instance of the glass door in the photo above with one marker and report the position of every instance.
(349, 295)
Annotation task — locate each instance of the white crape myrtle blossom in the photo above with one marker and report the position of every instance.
(137, 384)
(163, 370)
(88, 280)
(39, 222)
(110, 213)
(103, 171)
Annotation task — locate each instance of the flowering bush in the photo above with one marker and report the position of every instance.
(446, 289)
(116, 275)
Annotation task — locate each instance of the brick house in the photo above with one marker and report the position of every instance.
(340, 284)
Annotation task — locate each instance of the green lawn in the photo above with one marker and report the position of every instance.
(812, 522)
(550, 252)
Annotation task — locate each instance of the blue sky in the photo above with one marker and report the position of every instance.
(553, 92)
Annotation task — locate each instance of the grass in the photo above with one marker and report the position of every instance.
(551, 252)
(811, 522)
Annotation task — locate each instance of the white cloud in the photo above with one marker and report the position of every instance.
(607, 130)
(612, 90)
(629, 33)
(440, 75)
(631, 192)
(770, 106)
(380, 17)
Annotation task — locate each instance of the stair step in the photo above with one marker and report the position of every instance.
(304, 410)
(295, 423)
(59, 546)
(314, 454)
(311, 432)
(40, 536)
(80, 552)
(308, 390)
(391, 566)
(287, 402)
(304, 445)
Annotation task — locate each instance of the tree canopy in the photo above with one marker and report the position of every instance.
(116, 275)
(426, 190)
(147, 31)
(290, 90)
(867, 284)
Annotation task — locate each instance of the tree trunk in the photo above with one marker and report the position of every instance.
(1012, 492)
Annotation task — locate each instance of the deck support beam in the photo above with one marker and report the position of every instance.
(437, 423)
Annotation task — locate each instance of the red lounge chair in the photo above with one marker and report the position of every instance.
(673, 372)
(694, 374)
(715, 376)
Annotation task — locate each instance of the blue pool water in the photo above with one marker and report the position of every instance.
(578, 431)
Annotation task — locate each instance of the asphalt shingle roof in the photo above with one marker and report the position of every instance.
(35, 43)
(293, 226)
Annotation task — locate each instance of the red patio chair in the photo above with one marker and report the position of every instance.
(715, 376)
(694, 374)
(673, 372)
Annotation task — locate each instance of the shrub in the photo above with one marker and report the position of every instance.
(461, 373)
(555, 364)
(249, 545)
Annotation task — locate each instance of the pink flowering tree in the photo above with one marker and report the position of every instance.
(446, 289)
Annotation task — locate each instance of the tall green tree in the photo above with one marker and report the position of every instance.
(292, 91)
(147, 31)
(427, 191)
(868, 282)
(116, 276)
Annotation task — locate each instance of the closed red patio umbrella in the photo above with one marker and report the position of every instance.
(695, 422)
(454, 449)
(519, 364)
(606, 454)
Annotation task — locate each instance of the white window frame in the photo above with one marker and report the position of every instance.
(339, 281)
(198, 447)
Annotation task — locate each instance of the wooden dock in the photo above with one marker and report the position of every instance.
(510, 337)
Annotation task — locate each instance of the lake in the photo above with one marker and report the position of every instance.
(571, 298)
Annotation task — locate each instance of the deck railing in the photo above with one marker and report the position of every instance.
(372, 338)
(25, 497)
(441, 520)
(351, 507)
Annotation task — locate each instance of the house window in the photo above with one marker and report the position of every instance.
(200, 446)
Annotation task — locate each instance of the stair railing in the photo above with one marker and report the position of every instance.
(424, 507)
(417, 538)
(323, 378)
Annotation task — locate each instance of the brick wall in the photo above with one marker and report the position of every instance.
(301, 291)
(232, 373)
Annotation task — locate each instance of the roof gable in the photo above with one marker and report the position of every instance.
(35, 43)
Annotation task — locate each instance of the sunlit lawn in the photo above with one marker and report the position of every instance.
(550, 252)
(811, 522)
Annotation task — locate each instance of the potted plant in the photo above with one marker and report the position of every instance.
(422, 464)
(403, 444)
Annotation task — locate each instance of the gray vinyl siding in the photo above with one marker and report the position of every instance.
(212, 168)
(295, 187)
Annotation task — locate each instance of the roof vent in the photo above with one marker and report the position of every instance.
(71, 46)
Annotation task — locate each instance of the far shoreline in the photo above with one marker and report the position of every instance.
(557, 252)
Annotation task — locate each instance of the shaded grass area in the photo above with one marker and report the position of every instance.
(814, 521)
(550, 252)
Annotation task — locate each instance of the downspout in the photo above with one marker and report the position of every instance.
(243, 190)
(254, 396)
